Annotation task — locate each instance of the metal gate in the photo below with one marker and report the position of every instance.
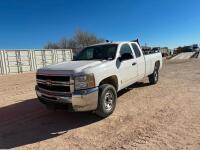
(60, 56)
(39, 59)
(25, 61)
(19, 61)
(48, 57)
(68, 55)
(12, 61)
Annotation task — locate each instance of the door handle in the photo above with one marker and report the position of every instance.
(133, 64)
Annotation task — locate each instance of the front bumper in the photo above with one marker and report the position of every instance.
(83, 100)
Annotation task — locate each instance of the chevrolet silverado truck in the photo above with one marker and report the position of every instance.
(92, 80)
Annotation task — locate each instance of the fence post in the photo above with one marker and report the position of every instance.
(17, 53)
(55, 56)
(71, 52)
(64, 58)
(1, 62)
(4, 70)
(32, 61)
(5, 61)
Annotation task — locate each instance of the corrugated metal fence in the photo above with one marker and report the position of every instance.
(26, 60)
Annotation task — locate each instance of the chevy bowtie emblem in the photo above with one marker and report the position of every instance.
(48, 83)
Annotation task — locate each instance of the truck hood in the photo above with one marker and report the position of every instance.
(70, 67)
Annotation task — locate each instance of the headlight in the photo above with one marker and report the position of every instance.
(84, 82)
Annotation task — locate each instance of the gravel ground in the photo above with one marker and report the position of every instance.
(162, 116)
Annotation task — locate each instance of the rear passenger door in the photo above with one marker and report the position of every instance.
(140, 61)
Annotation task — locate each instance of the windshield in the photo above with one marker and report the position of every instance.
(99, 52)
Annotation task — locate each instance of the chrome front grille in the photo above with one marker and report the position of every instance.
(55, 85)
(56, 88)
(53, 78)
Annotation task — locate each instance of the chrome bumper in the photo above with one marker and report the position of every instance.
(83, 100)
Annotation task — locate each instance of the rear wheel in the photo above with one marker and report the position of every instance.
(153, 78)
(106, 100)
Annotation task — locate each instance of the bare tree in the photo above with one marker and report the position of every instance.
(84, 39)
(52, 45)
(71, 44)
(63, 43)
(79, 40)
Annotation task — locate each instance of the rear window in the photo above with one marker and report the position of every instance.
(136, 50)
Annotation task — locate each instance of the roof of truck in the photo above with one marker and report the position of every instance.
(116, 42)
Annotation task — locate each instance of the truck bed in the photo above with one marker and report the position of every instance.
(150, 60)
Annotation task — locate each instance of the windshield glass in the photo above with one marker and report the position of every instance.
(99, 52)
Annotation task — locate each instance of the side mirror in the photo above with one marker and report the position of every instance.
(125, 56)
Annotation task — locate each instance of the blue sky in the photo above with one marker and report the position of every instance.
(32, 23)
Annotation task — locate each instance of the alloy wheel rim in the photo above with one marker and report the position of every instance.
(109, 100)
(156, 76)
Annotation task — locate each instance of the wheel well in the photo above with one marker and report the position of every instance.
(157, 65)
(110, 80)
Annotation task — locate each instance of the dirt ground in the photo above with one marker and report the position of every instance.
(162, 116)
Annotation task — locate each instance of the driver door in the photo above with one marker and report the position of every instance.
(128, 66)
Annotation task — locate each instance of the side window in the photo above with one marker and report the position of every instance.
(136, 50)
(126, 52)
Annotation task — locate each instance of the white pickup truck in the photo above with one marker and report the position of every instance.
(92, 80)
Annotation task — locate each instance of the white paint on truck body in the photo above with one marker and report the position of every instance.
(127, 72)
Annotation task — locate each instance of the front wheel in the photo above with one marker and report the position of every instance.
(106, 100)
(153, 78)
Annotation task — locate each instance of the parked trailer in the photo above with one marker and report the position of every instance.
(184, 55)
(26, 60)
(198, 55)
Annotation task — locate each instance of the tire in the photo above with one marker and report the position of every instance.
(153, 78)
(106, 100)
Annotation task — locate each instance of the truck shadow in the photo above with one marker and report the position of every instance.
(29, 122)
(131, 87)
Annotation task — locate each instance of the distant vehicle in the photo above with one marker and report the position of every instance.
(92, 80)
